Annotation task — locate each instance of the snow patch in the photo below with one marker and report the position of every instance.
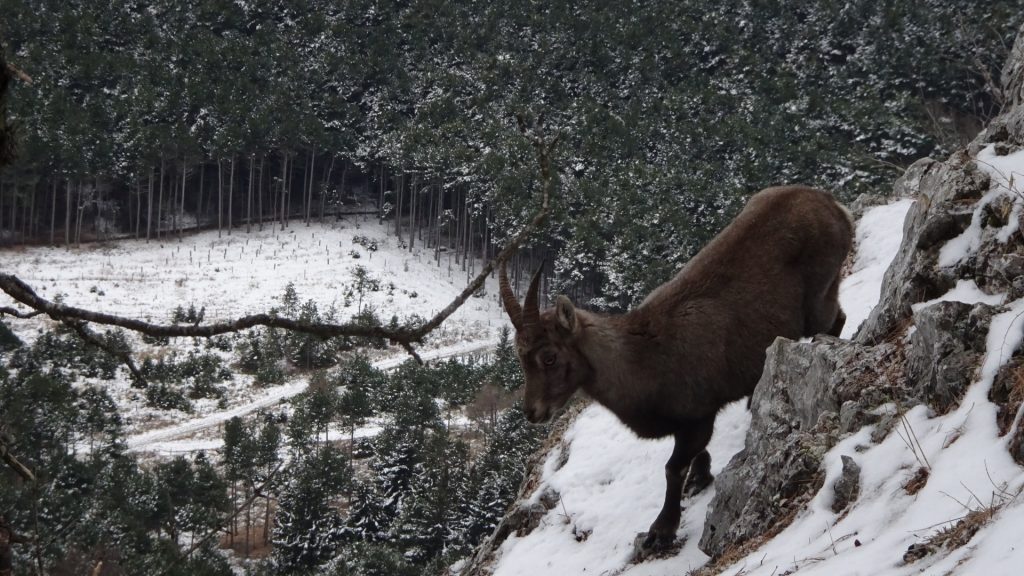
(966, 291)
(878, 238)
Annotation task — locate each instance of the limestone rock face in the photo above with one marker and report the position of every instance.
(1009, 126)
(813, 394)
(942, 211)
(944, 350)
(795, 419)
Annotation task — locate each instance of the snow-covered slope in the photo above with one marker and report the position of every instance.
(611, 483)
(963, 516)
(244, 273)
(237, 274)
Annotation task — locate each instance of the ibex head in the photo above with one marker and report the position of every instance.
(547, 344)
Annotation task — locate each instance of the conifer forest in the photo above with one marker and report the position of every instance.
(156, 120)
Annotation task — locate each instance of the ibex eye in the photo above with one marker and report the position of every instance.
(549, 360)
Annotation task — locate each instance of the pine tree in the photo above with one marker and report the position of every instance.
(307, 528)
(505, 370)
(497, 475)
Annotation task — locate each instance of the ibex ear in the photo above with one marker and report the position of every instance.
(565, 312)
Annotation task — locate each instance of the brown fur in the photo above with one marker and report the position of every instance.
(698, 341)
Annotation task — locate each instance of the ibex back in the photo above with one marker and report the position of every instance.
(698, 341)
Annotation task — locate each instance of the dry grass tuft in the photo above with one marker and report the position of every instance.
(959, 531)
(959, 534)
(1007, 393)
(916, 482)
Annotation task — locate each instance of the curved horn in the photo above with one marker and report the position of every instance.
(531, 307)
(508, 298)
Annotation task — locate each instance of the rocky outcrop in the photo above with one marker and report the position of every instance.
(1009, 126)
(946, 346)
(944, 192)
(813, 394)
(809, 395)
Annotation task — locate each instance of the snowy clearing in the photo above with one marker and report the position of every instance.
(238, 274)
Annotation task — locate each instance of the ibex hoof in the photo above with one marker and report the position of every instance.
(651, 544)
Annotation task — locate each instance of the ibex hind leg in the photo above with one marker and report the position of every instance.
(699, 477)
(837, 326)
(822, 312)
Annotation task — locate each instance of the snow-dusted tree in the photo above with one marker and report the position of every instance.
(307, 526)
(436, 501)
(497, 475)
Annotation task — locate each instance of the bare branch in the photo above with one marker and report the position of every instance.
(22, 292)
(543, 150)
(19, 468)
(404, 336)
(18, 73)
(8, 311)
(83, 331)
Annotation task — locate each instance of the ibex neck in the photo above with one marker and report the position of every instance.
(615, 352)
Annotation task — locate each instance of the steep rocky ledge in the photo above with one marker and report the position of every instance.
(960, 266)
(962, 248)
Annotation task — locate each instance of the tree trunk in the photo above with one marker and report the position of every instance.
(248, 523)
(181, 205)
(14, 212)
(172, 194)
(160, 200)
(326, 182)
(67, 216)
(309, 186)
(284, 185)
(288, 193)
(412, 211)
(2, 188)
(259, 193)
(78, 219)
(398, 207)
(438, 224)
(248, 203)
(138, 206)
(234, 516)
(220, 197)
(199, 203)
(53, 212)
(231, 193)
(380, 200)
(266, 521)
(31, 221)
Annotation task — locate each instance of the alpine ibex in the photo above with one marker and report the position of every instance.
(697, 342)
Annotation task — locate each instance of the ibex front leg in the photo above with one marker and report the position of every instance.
(690, 441)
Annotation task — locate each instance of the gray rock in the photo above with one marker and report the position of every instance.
(945, 350)
(1006, 391)
(1013, 73)
(796, 418)
(911, 276)
(847, 487)
(1009, 126)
